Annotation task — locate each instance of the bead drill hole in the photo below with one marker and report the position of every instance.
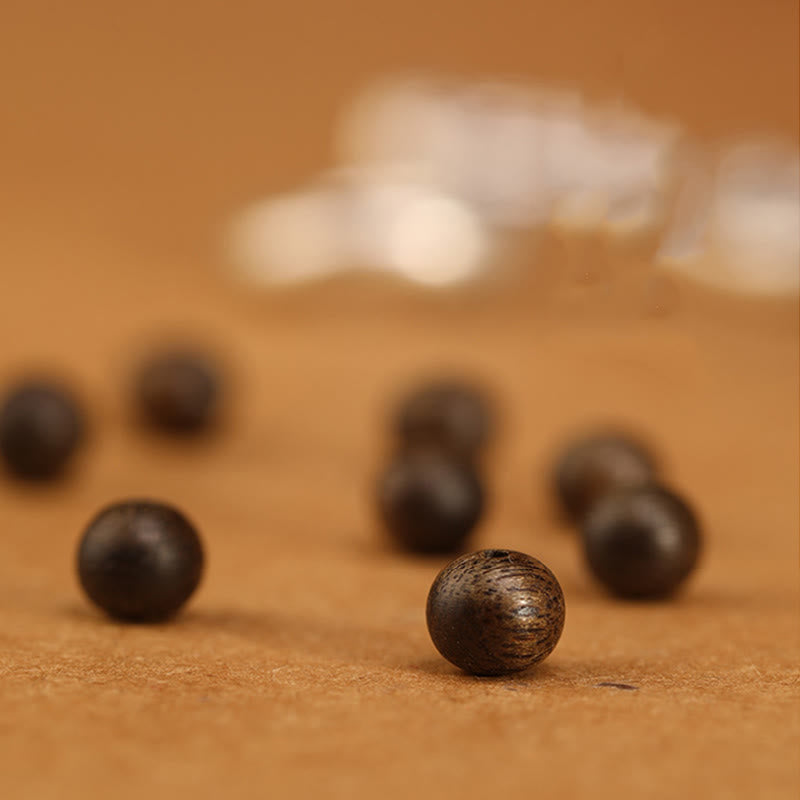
(497, 554)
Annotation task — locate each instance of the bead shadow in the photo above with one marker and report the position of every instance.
(308, 637)
(52, 488)
(215, 430)
(544, 672)
(87, 613)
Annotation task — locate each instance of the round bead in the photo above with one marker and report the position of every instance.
(41, 425)
(429, 501)
(140, 561)
(495, 612)
(452, 415)
(592, 466)
(642, 542)
(178, 392)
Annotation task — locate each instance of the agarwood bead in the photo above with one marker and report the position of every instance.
(593, 465)
(642, 542)
(495, 612)
(41, 426)
(178, 392)
(140, 560)
(451, 414)
(429, 501)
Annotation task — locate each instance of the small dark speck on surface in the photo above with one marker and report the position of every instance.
(624, 686)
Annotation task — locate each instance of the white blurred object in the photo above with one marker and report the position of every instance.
(486, 143)
(435, 171)
(573, 165)
(684, 240)
(636, 157)
(745, 229)
(516, 154)
(756, 221)
(417, 232)
(358, 218)
(289, 238)
(404, 123)
(495, 161)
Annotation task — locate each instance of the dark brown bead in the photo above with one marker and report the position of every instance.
(642, 542)
(178, 392)
(140, 561)
(41, 425)
(453, 415)
(429, 501)
(495, 612)
(594, 465)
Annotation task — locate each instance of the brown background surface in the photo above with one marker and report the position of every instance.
(128, 132)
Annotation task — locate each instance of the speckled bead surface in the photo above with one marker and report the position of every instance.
(452, 414)
(594, 465)
(495, 612)
(140, 560)
(643, 542)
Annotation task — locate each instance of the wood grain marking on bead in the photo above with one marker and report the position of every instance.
(495, 612)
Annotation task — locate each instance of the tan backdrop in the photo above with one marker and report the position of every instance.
(128, 132)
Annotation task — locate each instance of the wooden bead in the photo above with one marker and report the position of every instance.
(178, 392)
(41, 425)
(140, 561)
(495, 612)
(430, 502)
(642, 542)
(453, 415)
(594, 465)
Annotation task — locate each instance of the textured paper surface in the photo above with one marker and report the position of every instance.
(303, 667)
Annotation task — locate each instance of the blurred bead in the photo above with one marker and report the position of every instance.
(429, 501)
(41, 425)
(450, 414)
(178, 392)
(642, 542)
(495, 612)
(592, 466)
(140, 561)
